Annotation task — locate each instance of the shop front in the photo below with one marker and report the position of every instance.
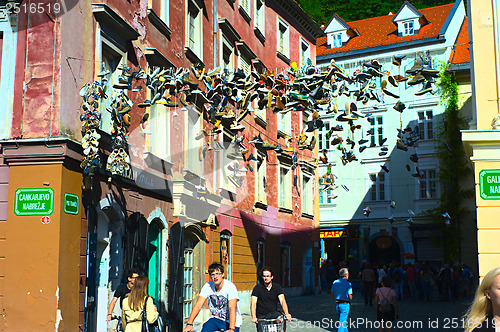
(340, 245)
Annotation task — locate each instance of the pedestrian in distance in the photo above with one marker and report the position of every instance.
(342, 293)
(265, 297)
(484, 313)
(133, 306)
(222, 297)
(368, 280)
(386, 304)
(122, 291)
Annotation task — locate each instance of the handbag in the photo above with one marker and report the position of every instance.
(146, 327)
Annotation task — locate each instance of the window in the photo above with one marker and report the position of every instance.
(227, 60)
(427, 182)
(285, 123)
(376, 131)
(194, 29)
(408, 28)
(229, 177)
(159, 122)
(259, 16)
(425, 130)
(283, 37)
(8, 41)
(188, 277)
(323, 141)
(304, 52)
(285, 264)
(225, 252)
(260, 180)
(163, 6)
(194, 153)
(377, 189)
(306, 193)
(245, 5)
(111, 58)
(261, 249)
(337, 40)
(245, 65)
(285, 187)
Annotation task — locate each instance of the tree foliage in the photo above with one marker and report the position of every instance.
(322, 10)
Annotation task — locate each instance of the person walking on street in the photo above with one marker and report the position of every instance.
(484, 312)
(122, 291)
(222, 297)
(386, 304)
(133, 306)
(265, 297)
(368, 279)
(398, 276)
(342, 292)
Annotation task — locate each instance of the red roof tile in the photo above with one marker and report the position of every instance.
(378, 31)
(460, 53)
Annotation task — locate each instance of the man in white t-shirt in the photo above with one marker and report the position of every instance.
(222, 297)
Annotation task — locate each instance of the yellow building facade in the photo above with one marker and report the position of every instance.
(482, 140)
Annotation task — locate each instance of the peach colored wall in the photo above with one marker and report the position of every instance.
(41, 277)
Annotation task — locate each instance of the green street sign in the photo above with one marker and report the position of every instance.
(71, 203)
(489, 184)
(34, 201)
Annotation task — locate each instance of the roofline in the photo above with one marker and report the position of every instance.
(303, 19)
(452, 12)
(412, 8)
(342, 22)
(456, 67)
(439, 38)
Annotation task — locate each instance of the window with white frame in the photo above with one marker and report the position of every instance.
(159, 124)
(8, 41)
(285, 123)
(425, 128)
(427, 183)
(225, 252)
(336, 40)
(111, 59)
(163, 6)
(306, 194)
(285, 187)
(408, 28)
(377, 188)
(194, 148)
(188, 277)
(260, 180)
(229, 166)
(245, 5)
(227, 54)
(259, 15)
(194, 28)
(304, 52)
(245, 65)
(283, 37)
(376, 131)
(323, 141)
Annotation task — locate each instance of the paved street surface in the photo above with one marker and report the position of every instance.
(415, 316)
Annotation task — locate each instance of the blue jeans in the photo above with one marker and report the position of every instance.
(399, 290)
(343, 311)
(216, 325)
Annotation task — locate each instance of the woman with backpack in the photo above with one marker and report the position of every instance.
(386, 304)
(134, 305)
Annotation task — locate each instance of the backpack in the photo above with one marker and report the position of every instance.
(397, 275)
(385, 304)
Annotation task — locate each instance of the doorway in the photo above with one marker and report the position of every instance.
(384, 249)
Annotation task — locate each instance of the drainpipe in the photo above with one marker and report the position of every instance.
(496, 33)
(214, 154)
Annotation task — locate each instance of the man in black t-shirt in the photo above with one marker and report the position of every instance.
(122, 291)
(265, 296)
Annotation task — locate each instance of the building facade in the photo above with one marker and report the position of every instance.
(111, 158)
(482, 139)
(376, 205)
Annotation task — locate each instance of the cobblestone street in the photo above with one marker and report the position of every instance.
(415, 316)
